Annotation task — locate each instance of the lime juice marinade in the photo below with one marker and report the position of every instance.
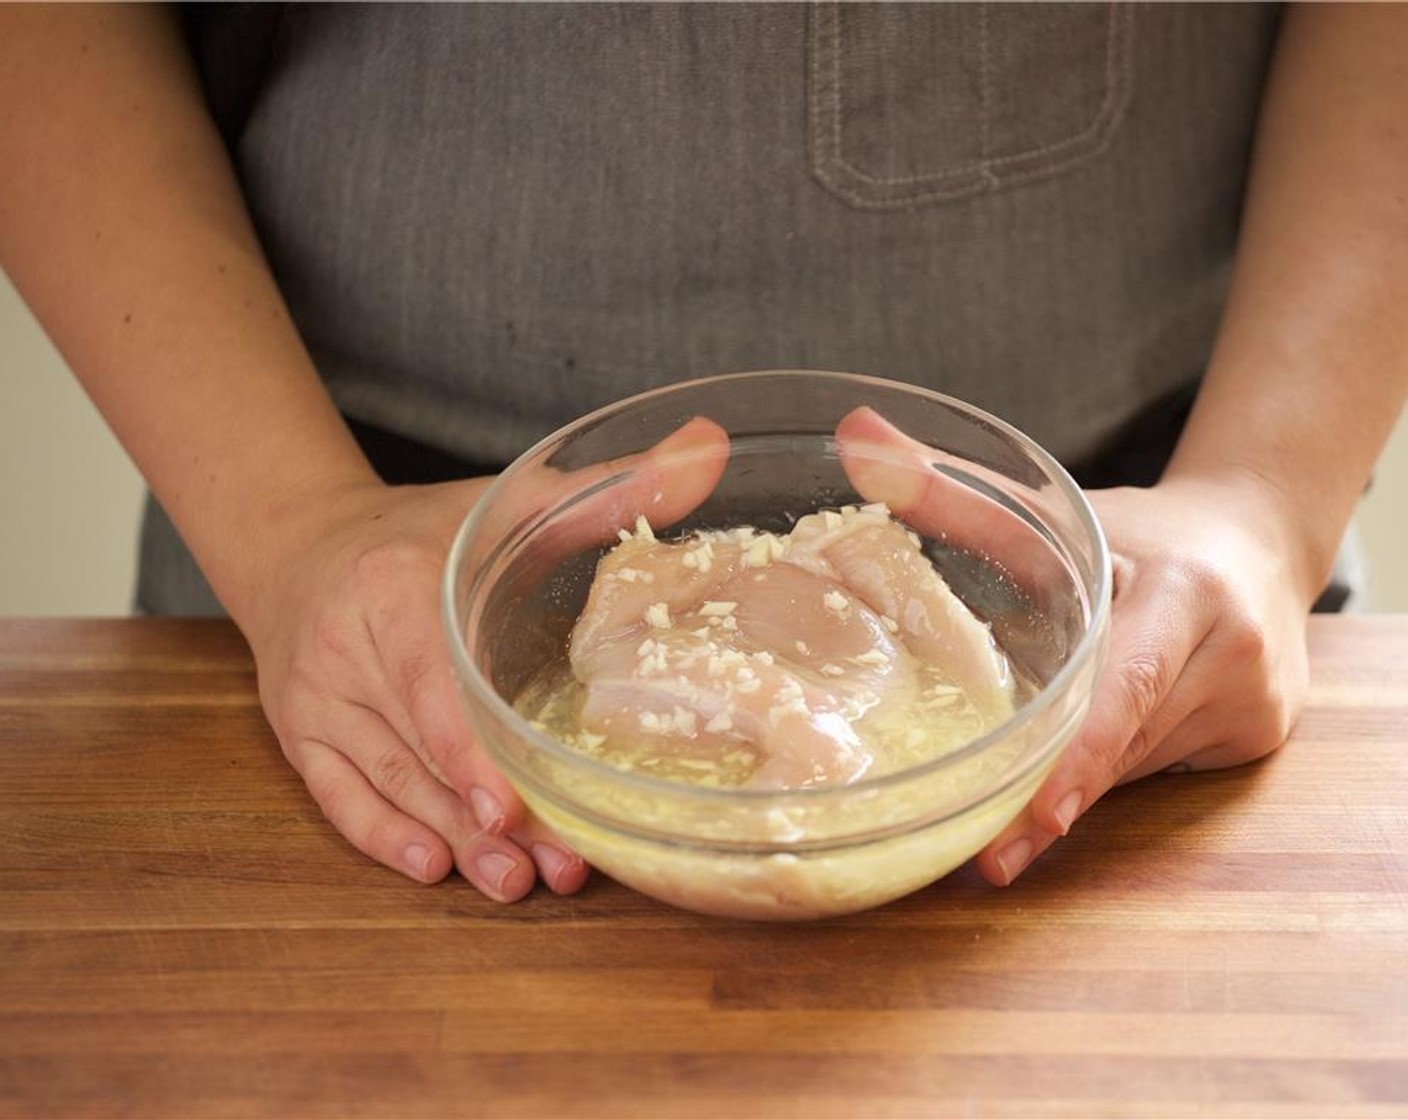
(907, 727)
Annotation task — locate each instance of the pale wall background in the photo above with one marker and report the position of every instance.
(70, 499)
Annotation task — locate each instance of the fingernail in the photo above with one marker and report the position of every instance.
(495, 868)
(417, 857)
(552, 862)
(1067, 809)
(487, 810)
(1013, 858)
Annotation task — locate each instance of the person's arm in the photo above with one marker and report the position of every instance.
(1311, 365)
(1217, 566)
(122, 224)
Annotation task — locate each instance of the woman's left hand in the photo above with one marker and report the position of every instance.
(1207, 658)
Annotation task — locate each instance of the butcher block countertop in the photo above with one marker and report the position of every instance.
(182, 934)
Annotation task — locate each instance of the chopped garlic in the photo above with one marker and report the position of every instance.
(688, 689)
(835, 601)
(684, 721)
(792, 707)
(759, 555)
(658, 615)
(720, 723)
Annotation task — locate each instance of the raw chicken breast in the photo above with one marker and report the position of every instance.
(881, 562)
(749, 645)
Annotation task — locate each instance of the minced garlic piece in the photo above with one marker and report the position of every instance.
(720, 723)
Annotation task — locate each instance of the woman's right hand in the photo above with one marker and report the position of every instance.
(356, 679)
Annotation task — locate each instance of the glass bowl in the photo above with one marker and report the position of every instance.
(1001, 520)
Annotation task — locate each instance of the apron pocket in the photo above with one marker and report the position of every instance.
(918, 104)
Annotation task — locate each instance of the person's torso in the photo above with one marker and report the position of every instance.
(489, 219)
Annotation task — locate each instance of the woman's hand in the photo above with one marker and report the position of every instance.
(1207, 657)
(355, 678)
(1217, 565)
(355, 674)
(1207, 661)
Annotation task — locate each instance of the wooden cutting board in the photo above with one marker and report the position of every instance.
(181, 934)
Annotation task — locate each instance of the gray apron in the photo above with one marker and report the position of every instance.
(489, 219)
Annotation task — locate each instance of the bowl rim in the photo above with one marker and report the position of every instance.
(1088, 648)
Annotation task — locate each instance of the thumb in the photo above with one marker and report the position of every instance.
(663, 484)
(951, 499)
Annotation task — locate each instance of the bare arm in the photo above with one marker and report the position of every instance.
(122, 224)
(1311, 365)
(1217, 566)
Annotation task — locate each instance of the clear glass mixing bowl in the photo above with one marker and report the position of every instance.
(1003, 522)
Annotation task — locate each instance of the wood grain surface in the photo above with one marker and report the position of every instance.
(181, 934)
